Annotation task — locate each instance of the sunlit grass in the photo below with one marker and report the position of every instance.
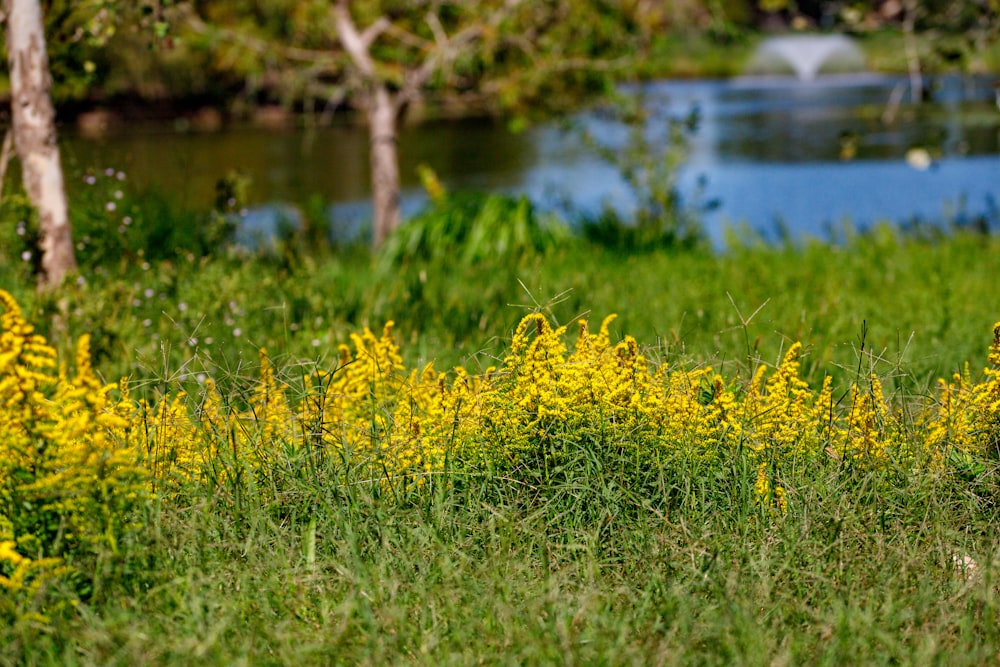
(307, 531)
(273, 551)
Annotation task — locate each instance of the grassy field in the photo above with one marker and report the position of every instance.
(923, 307)
(596, 540)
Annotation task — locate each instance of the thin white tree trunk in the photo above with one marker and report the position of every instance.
(35, 138)
(8, 148)
(382, 110)
(910, 8)
(384, 165)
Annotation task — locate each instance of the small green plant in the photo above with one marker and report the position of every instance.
(471, 228)
(649, 163)
(112, 223)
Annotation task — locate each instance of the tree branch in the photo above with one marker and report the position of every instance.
(446, 49)
(440, 36)
(256, 44)
(373, 31)
(355, 43)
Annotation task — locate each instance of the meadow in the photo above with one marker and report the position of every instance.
(774, 454)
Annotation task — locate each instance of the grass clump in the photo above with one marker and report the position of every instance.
(472, 228)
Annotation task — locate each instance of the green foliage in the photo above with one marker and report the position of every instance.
(195, 312)
(649, 163)
(618, 559)
(112, 225)
(149, 50)
(958, 32)
(82, 39)
(512, 58)
(473, 228)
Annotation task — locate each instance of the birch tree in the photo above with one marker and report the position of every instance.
(381, 56)
(34, 136)
(382, 97)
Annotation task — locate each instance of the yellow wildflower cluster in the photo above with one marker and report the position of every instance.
(24, 580)
(774, 417)
(67, 474)
(408, 422)
(543, 389)
(367, 404)
(75, 462)
(547, 397)
(967, 419)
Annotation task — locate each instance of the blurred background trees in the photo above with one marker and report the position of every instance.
(239, 53)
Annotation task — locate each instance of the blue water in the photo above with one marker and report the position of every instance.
(768, 150)
(810, 199)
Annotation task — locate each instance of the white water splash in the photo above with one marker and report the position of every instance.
(807, 54)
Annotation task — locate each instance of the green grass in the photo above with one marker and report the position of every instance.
(315, 564)
(861, 571)
(923, 306)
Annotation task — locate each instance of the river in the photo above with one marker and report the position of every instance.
(778, 155)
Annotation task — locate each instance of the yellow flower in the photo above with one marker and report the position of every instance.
(762, 487)
(967, 416)
(780, 499)
(68, 480)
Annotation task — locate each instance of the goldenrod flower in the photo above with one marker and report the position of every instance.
(67, 478)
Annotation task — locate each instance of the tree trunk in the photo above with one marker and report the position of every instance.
(910, 8)
(35, 136)
(382, 116)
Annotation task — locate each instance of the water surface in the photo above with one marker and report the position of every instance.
(770, 151)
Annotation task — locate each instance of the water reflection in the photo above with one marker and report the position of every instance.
(770, 149)
(773, 152)
(782, 120)
(294, 164)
